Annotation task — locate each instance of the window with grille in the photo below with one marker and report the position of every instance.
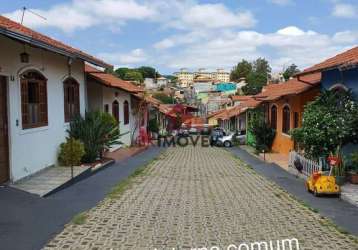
(126, 112)
(286, 120)
(71, 99)
(274, 117)
(33, 100)
(115, 110)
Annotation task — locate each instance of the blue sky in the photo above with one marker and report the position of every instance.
(170, 34)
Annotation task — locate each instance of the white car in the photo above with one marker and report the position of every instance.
(226, 140)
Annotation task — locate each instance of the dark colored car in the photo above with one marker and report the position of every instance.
(215, 134)
(183, 132)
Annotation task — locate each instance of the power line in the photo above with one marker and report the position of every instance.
(24, 9)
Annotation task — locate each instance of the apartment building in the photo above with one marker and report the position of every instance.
(186, 78)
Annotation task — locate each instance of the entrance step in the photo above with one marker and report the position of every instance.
(48, 180)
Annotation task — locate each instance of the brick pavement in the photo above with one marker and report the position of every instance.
(200, 197)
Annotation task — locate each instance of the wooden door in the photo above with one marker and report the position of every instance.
(4, 145)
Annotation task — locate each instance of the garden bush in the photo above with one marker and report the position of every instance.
(328, 122)
(98, 131)
(263, 133)
(71, 153)
(153, 126)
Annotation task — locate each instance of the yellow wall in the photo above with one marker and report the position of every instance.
(283, 143)
(212, 121)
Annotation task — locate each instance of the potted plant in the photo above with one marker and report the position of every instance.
(353, 173)
(337, 163)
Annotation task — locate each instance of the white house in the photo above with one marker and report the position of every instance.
(42, 86)
(110, 94)
(150, 83)
(162, 81)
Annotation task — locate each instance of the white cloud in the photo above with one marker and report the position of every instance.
(227, 47)
(121, 58)
(216, 16)
(80, 14)
(345, 10)
(180, 14)
(347, 36)
(281, 2)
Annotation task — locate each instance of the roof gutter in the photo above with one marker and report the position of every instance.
(39, 44)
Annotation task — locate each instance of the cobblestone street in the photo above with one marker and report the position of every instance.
(197, 197)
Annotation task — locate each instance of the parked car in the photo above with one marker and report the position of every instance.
(205, 130)
(193, 131)
(226, 140)
(240, 137)
(183, 132)
(215, 134)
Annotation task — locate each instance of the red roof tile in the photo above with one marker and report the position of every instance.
(13, 29)
(110, 80)
(240, 98)
(346, 58)
(195, 120)
(291, 87)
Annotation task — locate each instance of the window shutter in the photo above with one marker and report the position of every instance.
(43, 102)
(24, 103)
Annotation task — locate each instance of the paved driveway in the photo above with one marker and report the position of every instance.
(200, 197)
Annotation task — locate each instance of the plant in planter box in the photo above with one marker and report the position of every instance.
(353, 175)
(338, 164)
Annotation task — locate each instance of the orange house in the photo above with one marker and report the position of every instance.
(284, 105)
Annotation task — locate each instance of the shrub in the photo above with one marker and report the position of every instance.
(354, 160)
(328, 122)
(153, 126)
(262, 132)
(71, 153)
(97, 131)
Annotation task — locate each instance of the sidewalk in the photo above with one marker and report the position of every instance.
(342, 213)
(28, 221)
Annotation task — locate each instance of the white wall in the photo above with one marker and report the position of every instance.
(99, 96)
(34, 149)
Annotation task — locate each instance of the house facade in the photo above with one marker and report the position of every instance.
(112, 95)
(284, 104)
(340, 71)
(42, 86)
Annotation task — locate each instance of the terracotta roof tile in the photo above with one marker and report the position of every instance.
(111, 81)
(7, 26)
(240, 97)
(291, 87)
(346, 58)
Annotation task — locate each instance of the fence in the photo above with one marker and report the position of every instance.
(308, 166)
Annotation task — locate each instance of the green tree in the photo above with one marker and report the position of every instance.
(166, 99)
(290, 71)
(328, 122)
(261, 66)
(147, 72)
(133, 75)
(258, 77)
(242, 69)
(121, 72)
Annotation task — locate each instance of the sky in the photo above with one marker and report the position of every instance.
(174, 34)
